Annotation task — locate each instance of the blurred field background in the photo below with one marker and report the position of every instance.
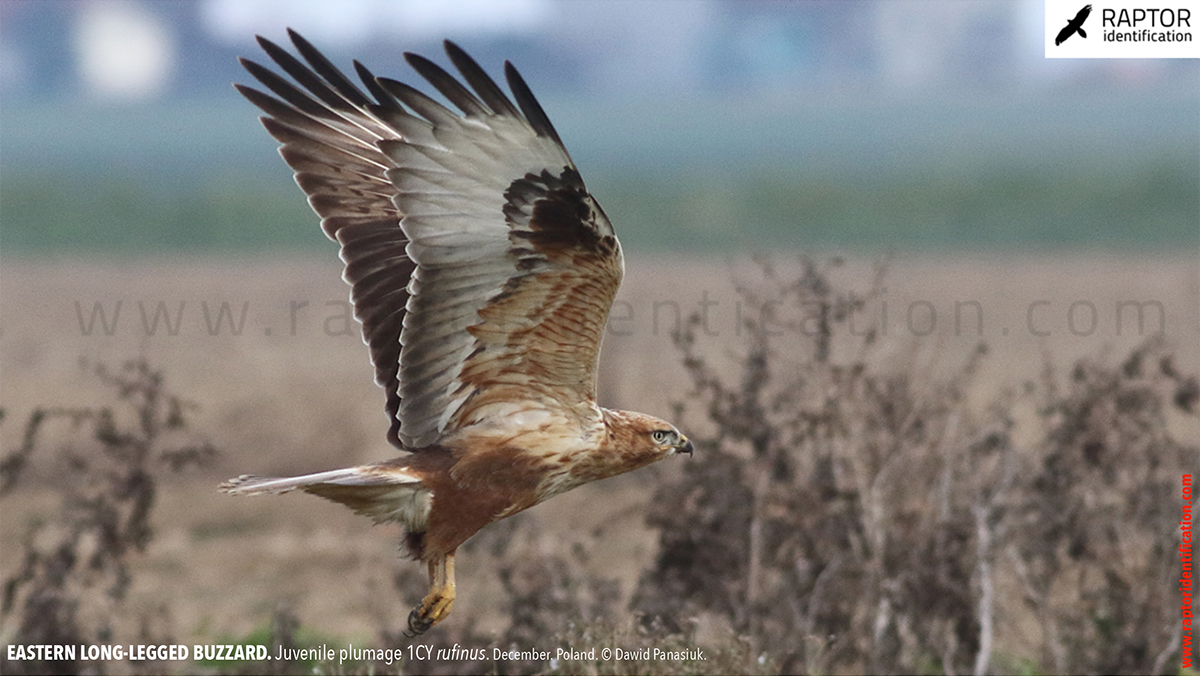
(1048, 195)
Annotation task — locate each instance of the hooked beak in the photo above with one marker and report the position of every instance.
(685, 447)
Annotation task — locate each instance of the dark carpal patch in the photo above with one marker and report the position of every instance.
(552, 213)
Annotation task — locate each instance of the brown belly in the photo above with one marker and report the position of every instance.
(477, 489)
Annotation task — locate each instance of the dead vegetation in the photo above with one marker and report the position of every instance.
(849, 508)
(856, 514)
(75, 571)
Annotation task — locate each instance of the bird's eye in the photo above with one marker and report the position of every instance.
(660, 436)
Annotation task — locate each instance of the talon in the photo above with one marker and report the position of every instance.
(417, 624)
(436, 605)
(433, 609)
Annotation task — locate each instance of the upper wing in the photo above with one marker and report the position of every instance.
(1082, 15)
(510, 265)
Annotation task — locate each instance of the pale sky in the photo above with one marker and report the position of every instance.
(347, 22)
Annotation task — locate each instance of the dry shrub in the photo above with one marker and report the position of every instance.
(75, 570)
(1096, 552)
(848, 511)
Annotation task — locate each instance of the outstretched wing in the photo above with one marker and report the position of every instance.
(1082, 16)
(482, 270)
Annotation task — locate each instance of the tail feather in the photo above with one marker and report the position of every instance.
(247, 484)
(384, 494)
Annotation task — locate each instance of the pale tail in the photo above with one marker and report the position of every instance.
(391, 495)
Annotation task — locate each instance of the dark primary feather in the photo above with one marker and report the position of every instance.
(529, 105)
(328, 71)
(306, 78)
(368, 79)
(284, 90)
(445, 83)
(420, 103)
(328, 138)
(480, 82)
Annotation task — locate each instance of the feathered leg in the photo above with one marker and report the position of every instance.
(436, 605)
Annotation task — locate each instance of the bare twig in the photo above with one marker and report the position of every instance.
(983, 570)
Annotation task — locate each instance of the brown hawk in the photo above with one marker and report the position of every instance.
(482, 272)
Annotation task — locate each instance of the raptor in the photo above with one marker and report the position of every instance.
(482, 272)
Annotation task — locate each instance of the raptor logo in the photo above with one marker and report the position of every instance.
(1074, 26)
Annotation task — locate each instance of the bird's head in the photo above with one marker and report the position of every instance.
(637, 439)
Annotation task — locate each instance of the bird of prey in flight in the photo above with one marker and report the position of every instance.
(1074, 26)
(482, 272)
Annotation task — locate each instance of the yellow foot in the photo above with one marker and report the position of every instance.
(433, 609)
(436, 605)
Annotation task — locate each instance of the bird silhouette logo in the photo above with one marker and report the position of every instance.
(1074, 26)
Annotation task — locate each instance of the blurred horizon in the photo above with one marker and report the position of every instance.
(700, 125)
